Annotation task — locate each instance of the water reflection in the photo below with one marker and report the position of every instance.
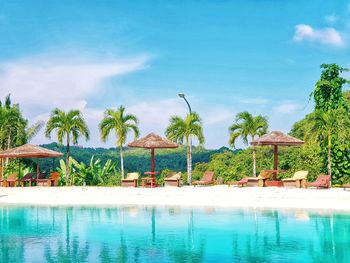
(150, 234)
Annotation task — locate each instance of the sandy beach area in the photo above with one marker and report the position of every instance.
(217, 196)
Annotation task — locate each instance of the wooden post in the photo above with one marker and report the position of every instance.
(152, 153)
(37, 169)
(275, 163)
(1, 168)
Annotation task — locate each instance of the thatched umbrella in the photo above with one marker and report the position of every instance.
(275, 139)
(153, 141)
(29, 151)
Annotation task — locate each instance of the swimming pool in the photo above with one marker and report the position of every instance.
(171, 234)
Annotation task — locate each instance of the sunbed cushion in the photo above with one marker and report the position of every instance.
(208, 176)
(132, 176)
(264, 174)
(253, 178)
(299, 175)
(173, 176)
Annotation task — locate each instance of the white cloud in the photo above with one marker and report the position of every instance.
(217, 115)
(154, 116)
(41, 85)
(287, 108)
(327, 36)
(331, 19)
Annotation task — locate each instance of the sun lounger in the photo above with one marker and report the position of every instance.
(260, 180)
(173, 179)
(11, 180)
(240, 183)
(346, 186)
(28, 178)
(42, 180)
(298, 180)
(322, 181)
(54, 177)
(207, 179)
(131, 180)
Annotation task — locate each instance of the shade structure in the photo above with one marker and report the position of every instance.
(153, 141)
(275, 139)
(29, 151)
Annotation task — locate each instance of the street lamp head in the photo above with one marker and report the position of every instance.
(181, 95)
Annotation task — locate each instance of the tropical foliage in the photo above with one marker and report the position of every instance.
(233, 166)
(246, 125)
(14, 130)
(328, 124)
(135, 159)
(121, 123)
(69, 126)
(93, 173)
(183, 130)
(323, 126)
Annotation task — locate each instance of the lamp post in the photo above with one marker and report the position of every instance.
(189, 165)
(182, 95)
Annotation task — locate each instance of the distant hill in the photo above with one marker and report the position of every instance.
(135, 159)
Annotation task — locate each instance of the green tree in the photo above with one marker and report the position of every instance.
(328, 96)
(328, 90)
(121, 123)
(14, 130)
(247, 125)
(180, 130)
(324, 125)
(69, 126)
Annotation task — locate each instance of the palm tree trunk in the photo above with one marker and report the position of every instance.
(8, 147)
(2, 169)
(254, 161)
(121, 161)
(329, 165)
(189, 162)
(67, 161)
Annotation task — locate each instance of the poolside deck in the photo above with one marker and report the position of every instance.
(216, 196)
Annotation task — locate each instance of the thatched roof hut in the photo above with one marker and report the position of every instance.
(277, 138)
(29, 151)
(152, 141)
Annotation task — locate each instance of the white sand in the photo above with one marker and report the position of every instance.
(218, 196)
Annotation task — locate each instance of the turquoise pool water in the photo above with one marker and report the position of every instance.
(153, 234)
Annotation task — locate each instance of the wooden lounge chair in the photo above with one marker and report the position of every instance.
(207, 179)
(173, 179)
(240, 183)
(346, 186)
(28, 178)
(131, 180)
(42, 180)
(260, 180)
(298, 180)
(54, 177)
(11, 180)
(322, 181)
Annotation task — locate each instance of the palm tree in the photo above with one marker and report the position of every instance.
(121, 123)
(14, 130)
(180, 130)
(324, 125)
(247, 125)
(70, 126)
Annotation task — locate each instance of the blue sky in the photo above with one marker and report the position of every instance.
(227, 56)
